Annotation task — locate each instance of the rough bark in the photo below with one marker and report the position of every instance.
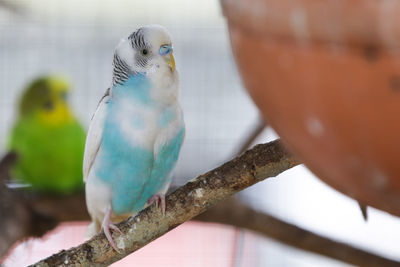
(47, 211)
(186, 202)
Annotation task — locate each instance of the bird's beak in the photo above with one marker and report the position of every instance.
(170, 61)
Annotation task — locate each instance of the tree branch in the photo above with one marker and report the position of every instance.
(235, 213)
(186, 202)
(254, 133)
(230, 212)
(15, 218)
(18, 218)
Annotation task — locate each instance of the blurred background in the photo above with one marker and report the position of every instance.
(75, 39)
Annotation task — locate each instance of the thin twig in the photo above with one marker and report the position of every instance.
(254, 133)
(237, 214)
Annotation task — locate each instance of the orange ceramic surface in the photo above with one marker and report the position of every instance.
(326, 76)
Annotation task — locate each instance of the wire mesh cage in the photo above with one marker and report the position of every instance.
(76, 40)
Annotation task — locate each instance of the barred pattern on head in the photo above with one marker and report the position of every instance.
(137, 39)
(121, 70)
(139, 44)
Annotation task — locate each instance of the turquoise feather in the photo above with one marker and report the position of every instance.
(131, 170)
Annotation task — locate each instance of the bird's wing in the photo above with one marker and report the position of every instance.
(94, 135)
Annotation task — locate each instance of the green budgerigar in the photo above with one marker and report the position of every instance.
(48, 139)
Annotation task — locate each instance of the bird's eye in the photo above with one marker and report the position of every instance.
(48, 105)
(144, 51)
(165, 50)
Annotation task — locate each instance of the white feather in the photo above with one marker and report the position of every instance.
(94, 136)
(167, 134)
(138, 123)
(142, 135)
(98, 198)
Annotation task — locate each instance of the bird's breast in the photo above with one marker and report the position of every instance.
(139, 124)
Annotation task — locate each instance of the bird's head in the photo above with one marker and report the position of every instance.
(46, 99)
(147, 51)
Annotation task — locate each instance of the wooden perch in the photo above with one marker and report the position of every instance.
(186, 202)
(231, 212)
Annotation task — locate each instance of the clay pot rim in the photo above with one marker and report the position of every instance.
(373, 23)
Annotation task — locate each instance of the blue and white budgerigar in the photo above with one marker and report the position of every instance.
(136, 133)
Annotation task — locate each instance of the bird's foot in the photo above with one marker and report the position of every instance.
(115, 228)
(158, 198)
(106, 226)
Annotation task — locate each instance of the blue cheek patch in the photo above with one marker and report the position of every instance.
(165, 50)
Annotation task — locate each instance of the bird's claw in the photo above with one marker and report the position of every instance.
(158, 199)
(106, 226)
(115, 228)
(107, 232)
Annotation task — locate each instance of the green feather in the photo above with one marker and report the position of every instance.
(48, 140)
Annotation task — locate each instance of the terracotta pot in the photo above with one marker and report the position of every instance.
(326, 77)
